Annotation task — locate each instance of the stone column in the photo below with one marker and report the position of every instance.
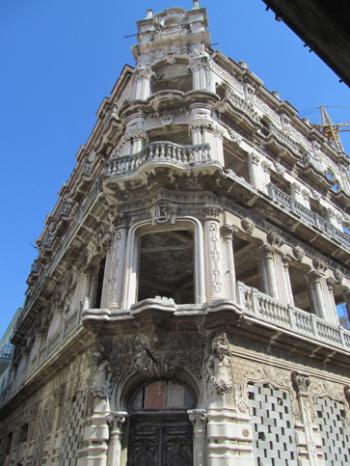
(116, 422)
(116, 275)
(270, 271)
(86, 289)
(317, 295)
(206, 131)
(228, 264)
(213, 272)
(256, 175)
(288, 285)
(331, 306)
(202, 79)
(142, 83)
(198, 417)
(309, 443)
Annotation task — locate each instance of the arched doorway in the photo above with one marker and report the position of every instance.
(160, 431)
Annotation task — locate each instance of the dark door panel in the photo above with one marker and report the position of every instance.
(160, 441)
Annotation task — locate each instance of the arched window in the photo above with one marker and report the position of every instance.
(162, 394)
(167, 266)
(160, 430)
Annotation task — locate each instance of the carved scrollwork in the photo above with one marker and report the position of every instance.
(164, 212)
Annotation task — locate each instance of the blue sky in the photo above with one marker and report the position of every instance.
(59, 58)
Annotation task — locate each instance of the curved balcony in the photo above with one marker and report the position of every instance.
(160, 153)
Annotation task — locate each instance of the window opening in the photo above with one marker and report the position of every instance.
(162, 394)
(99, 283)
(175, 76)
(300, 288)
(23, 435)
(167, 266)
(247, 263)
(237, 164)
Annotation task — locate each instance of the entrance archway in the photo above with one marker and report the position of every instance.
(160, 432)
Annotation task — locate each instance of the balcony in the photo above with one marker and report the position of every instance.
(303, 323)
(155, 153)
(310, 218)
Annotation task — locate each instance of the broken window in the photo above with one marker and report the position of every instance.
(167, 266)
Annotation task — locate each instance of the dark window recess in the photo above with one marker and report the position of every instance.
(23, 435)
(100, 275)
(248, 264)
(8, 443)
(300, 288)
(166, 266)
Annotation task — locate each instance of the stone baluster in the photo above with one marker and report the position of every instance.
(116, 423)
(198, 417)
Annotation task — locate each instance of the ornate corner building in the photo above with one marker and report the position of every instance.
(183, 307)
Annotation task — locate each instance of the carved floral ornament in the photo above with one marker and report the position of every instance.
(301, 382)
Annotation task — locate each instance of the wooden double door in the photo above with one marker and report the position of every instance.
(160, 441)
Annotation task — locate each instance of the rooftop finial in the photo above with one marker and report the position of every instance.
(195, 4)
(149, 13)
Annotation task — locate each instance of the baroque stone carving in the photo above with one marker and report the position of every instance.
(298, 253)
(212, 211)
(214, 256)
(164, 212)
(248, 225)
(274, 239)
(301, 382)
(101, 384)
(218, 364)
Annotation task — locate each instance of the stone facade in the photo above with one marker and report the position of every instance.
(188, 278)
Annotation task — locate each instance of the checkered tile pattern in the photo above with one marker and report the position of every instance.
(335, 433)
(273, 431)
(72, 429)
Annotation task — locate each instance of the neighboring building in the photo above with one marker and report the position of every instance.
(182, 310)
(6, 352)
(323, 26)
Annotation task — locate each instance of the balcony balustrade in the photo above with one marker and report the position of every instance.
(160, 152)
(265, 308)
(309, 217)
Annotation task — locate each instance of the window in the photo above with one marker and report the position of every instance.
(23, 434)
(98, 284)
(238, 164)
(167, 266)
(175, 76)
(163, 394)
(247, 263)
(300, 288)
